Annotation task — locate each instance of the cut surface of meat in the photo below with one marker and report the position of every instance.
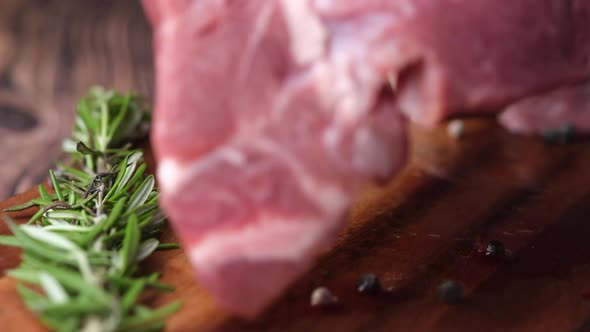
(264, 130)
(475, 56)
(270, 114)
(569, 105)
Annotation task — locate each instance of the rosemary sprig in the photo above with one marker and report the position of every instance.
(83, 246)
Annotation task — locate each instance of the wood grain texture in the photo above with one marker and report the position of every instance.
(51, 52)
(425, 226)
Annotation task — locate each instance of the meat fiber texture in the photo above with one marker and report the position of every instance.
(479, 55)
(270, 114)
(266, 125)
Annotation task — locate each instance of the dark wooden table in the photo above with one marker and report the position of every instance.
(427, 225)
(51, 52)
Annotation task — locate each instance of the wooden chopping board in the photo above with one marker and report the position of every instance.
(423, 227)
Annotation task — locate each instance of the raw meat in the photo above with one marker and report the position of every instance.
(536, 115)
(270, 114)
(479, 55)
(263, 134)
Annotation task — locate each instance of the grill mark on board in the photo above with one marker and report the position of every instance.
(561, 245)
(509, 205)
(498, 212)
(347, 254)
(417, 204)
(481, 274)
(583, 327)
(448, 259)
(375, 311)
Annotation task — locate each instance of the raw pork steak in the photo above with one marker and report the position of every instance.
(569, 105)
(479, 55)
(270, 114)
(266, 125)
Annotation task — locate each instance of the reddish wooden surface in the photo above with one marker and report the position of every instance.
(425, 226)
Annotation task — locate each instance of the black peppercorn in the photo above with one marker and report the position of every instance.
(450, 292)
(369, 284)
(495, 248)
(560, 135)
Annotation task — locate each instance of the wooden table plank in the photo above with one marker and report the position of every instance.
(51, 52)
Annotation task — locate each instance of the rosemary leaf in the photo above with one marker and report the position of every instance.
(54, 290)
(55, 185)
(20, 207)
(141, 195)
(168, 246)
(36, 216)
(68, 228)
(142, 210)
(37, 248)
(68, 278)
(76, 307)
(118, 118)
(24, 274)
(83, 245)
(121, 174)
(9, 240)
(146, 248)
(34, 300)
(109, 222)
(132, 294)
(48, 237)
(135, 156)
(72, 198)
(150, 282)
(61, 324)
(85, 114)
(143, 322)
(128, 252)
(64, 214)
(73, 173)
(137, 176)
(44, 194)
(44, 202)
(29, 294)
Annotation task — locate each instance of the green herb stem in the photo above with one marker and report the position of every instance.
(84, 244)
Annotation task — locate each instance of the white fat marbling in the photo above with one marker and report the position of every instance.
(307, 33)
